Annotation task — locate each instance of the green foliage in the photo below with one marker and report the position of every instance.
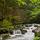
(21, 11)
(21, 2)
(7, 24)
(37, 34)
(37, 38)
(15, 19)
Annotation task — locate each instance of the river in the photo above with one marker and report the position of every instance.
(29, 35)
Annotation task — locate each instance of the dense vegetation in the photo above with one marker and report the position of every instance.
(37, 36)
(14, 12)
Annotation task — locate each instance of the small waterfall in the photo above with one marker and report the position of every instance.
(29, 35)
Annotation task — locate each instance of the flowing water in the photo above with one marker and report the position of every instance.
(29, 35)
